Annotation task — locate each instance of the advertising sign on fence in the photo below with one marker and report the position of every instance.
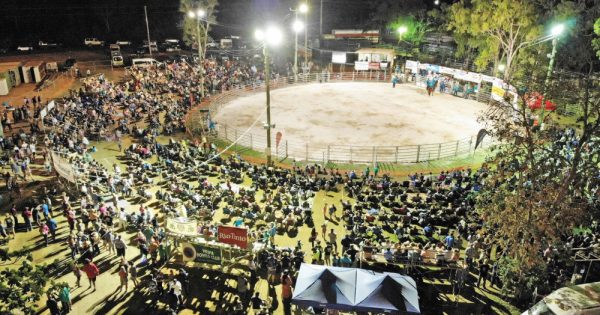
(338, 57)
(182, 226)
(233, 236)
(201, 253)
(373, 65)
(412, 65)
(361, 65)
(63, 167)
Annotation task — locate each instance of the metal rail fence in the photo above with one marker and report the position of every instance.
(337, 153)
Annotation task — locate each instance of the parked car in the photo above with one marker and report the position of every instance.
(92, 41)
(117, 61)
(172, 48)
(43, 44)
(26, 48)
(114, 49)
(123, 43)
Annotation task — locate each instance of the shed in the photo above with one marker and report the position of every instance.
(9, 76)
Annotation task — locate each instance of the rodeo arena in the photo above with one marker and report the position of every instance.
(156, 186)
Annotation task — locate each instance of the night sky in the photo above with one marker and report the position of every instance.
(69, 21)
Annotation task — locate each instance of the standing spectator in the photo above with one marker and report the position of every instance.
(242, 288)
(52, 304)
(53, 226)
(44, 230)
(27, 216)
(256, 303)
(484, 268)
(333, 239)
(13, 213)
(286, 293)
(134, 274)
(120, 246)
(10, 226)
(123, 277)
(65, 299)
(449, 241)
(92, 271)
(77, 273)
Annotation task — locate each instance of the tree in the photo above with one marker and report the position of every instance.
(497, 29)
(596, 41)
(416, 29)
(386, 11)
(191, 26)
(543, 185)
(21, 288)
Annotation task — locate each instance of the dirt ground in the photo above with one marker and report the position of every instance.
(358, 114)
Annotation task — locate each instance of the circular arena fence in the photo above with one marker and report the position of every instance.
(335, 153)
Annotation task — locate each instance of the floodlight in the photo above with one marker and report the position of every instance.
(298, 26)
(303, 8)
(402, 30)
(558, 29)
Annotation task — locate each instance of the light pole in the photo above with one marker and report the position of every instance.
(297, 26)
(304, 10)
(272, 36)
(199, 14)
(555, 33)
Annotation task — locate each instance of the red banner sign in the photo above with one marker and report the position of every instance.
(374, 65)
(233, 236)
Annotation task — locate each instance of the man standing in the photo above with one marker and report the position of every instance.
(91, 271)
(52, 226)
(286, 292)
(484, 268)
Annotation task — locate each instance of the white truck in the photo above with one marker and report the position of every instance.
(93, 42)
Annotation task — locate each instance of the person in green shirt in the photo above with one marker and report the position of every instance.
(376, 170)
(65, 299)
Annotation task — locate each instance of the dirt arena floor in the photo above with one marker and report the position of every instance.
(359, 114)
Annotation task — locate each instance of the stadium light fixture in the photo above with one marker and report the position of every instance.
(201, 13)
(303, 8)
(402, 30)
(272, 36)
(557, 30)
(191, 14)
(436, 2)
(298, 26)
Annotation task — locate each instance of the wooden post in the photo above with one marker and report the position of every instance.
(396, 154)
(251, 146)
(350, 154)
(456, 151)
(439, 150)
(328, 153)
(307, 152)
(418, 152)
(374, 157)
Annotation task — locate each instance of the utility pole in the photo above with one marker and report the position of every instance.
(306, 40)
(321, 20)
(296, 51)
(148, 31)
(268, 89)
(547, 82)
(200, 58)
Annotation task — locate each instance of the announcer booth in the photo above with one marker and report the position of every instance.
(374, 63)
(228, 247)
